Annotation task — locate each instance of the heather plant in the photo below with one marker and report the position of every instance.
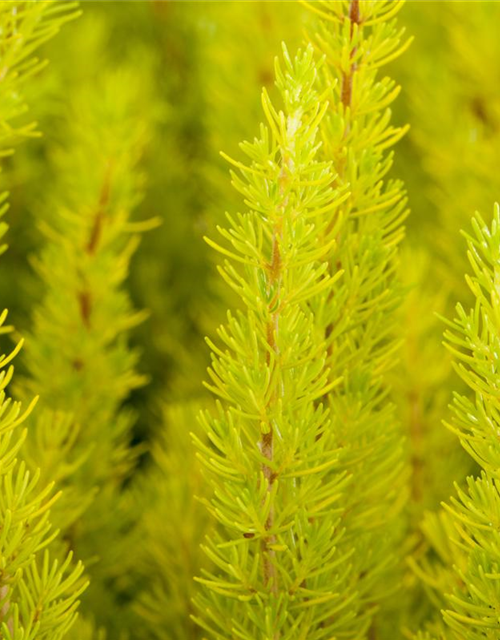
(361, 329)
(38, 594)
(231, 106)
(303, 491)
(276, 546)
(463, 578)
(82, 436)
(344, 332)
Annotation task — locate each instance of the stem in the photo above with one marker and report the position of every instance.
(85, 296)
(102, 205)
(85, 305)
(266, 443)
(346, 98)
(346, 93)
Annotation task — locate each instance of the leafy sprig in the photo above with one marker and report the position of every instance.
(473, 610)
(270, 457)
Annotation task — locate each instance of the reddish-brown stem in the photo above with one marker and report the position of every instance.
(85, 305)
(266, 442)
(346, 98)
(102, 205)
(346, 92)
(85, 296)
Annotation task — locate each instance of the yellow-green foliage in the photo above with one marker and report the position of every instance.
(472, 610)
(24, 27)
(83, 437)
(359, 319)
(273, 462)
(38, 595)
(313, 503)
(463, 579)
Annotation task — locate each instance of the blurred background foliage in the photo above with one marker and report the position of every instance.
(203, 65)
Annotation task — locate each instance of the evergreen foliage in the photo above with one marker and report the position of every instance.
(82, 438)
(359, 319)
(313, 500)
(24, 27)
(472, 605)
(276, 571)
(38, 595)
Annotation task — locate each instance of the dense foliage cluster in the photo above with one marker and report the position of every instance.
(337, 475)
